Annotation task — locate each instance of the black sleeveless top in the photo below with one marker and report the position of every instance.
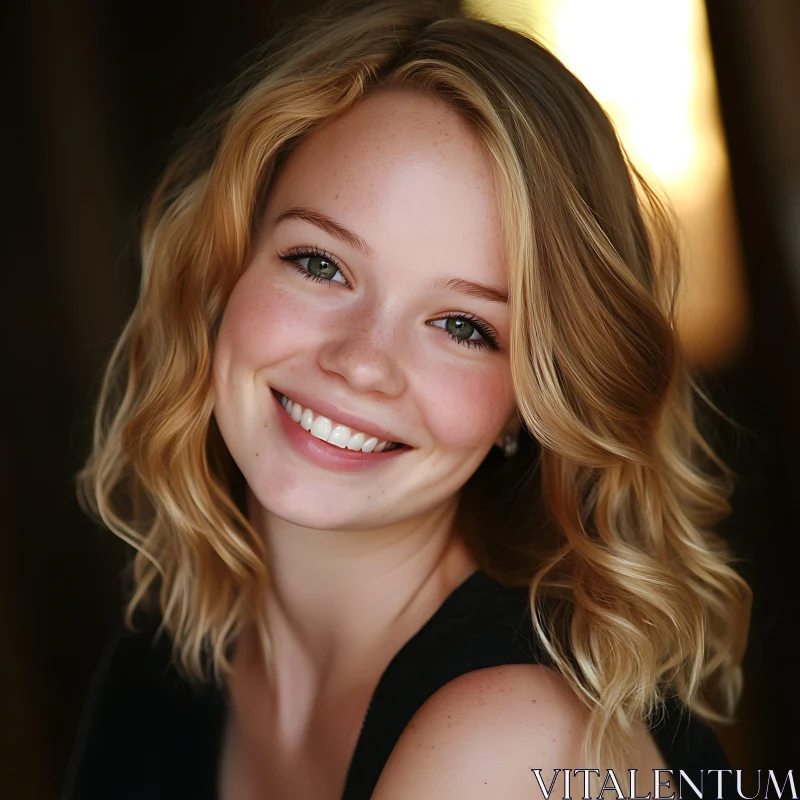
(146, 734)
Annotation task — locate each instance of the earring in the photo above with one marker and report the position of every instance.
(510, 445)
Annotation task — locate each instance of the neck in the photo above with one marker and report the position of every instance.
(341, 596)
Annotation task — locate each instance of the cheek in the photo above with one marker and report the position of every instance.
(261, 326)
(468, 408)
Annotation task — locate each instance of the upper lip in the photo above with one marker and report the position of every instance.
(320, 406)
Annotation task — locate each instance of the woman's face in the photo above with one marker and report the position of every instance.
(374, 234)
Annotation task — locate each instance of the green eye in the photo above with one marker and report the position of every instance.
(462, 327)
(320, 266)
(315, 266)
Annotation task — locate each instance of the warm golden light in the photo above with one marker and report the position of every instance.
(649, 65)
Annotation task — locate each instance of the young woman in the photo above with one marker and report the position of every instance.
(402, 434)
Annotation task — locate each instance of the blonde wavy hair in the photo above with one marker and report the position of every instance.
(608, 511)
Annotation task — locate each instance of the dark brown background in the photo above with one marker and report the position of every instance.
(94, 94)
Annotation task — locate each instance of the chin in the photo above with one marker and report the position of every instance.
(301, 503)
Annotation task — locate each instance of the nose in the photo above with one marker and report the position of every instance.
(366, 351)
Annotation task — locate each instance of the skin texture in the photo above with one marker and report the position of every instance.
(481, 734)
(361, 560)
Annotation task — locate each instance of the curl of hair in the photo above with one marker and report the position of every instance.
(609, 514)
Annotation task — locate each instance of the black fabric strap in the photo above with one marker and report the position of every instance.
(479, 625)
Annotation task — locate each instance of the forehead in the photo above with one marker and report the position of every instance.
(399, 166)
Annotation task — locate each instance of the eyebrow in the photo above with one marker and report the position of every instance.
(329, 225)
(483, 291)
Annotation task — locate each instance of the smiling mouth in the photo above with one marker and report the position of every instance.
(333, 433)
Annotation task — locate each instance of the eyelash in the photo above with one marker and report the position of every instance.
(290, 257)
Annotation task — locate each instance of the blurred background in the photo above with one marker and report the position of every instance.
(706, 95)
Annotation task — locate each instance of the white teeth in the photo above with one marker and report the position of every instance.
(356, 440)
(321, 428)
(338, 435)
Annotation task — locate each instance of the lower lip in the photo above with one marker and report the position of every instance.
(327, 455)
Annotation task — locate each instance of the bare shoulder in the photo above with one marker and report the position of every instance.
(481, 734)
